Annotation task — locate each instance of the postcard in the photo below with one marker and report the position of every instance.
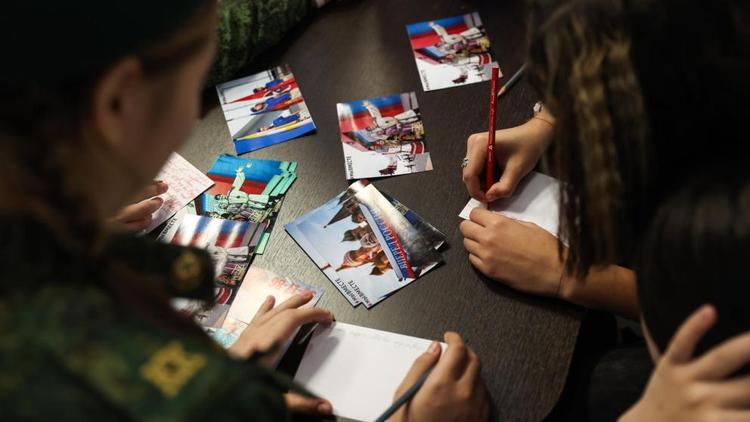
(246, 189)
(257, 286)
(383, 136)
(185, 183)
(451, 51)
(375, 362)
(264, 109)
(202, 232)
(536, 200)
(364, 245)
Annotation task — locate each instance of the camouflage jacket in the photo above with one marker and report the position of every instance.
(76, 346)
(247, 28)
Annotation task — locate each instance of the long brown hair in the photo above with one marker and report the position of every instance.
(579, 58)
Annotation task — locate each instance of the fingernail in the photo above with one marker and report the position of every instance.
(269, 299)
(490, 198)
(158, 199)
(325, 408)
(707, 312)
(434, 347)
(307, 295)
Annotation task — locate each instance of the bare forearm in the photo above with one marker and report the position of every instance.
(608, 288)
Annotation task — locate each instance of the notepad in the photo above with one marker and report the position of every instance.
(357, 369)
(536, 200)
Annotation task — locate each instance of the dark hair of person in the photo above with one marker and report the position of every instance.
(634, 86)
(695, 253)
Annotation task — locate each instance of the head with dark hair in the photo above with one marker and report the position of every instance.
(696, 253)
(80, 136)
(631, 84)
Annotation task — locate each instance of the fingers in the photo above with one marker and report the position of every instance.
(423, 363)
(471, 230)
(293, 319)
(472, 247)
(477, 263)
(157, 187)
(683, 343)
(292, 303)
(476, 153)
(470, 377)
(733, 393)
(724, 359)
(507, 183)
(266, 306)
(136, 213)
(300, 404)
(451, 365)
(485, 218)
(136, 226)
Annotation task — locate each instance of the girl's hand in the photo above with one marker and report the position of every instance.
(688, 388)
(517, 150)
(270, 329)
(520, 254)
(138, 216)
(454, 391)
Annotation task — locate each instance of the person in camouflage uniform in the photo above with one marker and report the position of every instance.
(86, 327)
(249, 27)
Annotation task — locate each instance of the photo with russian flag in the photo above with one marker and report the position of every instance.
(383, 136)
(264, 109)
(364, 245)
(451, 51)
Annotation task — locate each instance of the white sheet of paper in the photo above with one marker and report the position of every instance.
(356, 368)
(185, 184)
(536, 200)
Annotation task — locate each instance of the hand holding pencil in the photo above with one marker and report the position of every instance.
(453, 390)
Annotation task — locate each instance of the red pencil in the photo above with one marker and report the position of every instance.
(490, 169)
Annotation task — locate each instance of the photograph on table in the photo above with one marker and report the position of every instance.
(256, 287)
(264, 109)
(230, 245)
(451, 51)
(245, 189)
(364, 245)
(383, 136)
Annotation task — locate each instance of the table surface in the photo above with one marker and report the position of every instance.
(359, 49)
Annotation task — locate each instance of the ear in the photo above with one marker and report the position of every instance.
(116, 100)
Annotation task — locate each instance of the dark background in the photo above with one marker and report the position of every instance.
(355, 50)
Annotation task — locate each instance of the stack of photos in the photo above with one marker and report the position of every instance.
(230, 244)
(247, 190)
(451, 51)
(367, 244)
(264, 109)
(383, 136)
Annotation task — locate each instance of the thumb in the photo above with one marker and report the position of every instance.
(300, 404)
(423, 363)
(507, 183)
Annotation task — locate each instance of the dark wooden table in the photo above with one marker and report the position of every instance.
(359, 49)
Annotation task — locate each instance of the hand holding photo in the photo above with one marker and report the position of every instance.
(185, 183)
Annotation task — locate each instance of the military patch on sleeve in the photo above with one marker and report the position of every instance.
(171, 367)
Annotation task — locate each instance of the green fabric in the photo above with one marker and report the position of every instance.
(70, 350)
(249, 27)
